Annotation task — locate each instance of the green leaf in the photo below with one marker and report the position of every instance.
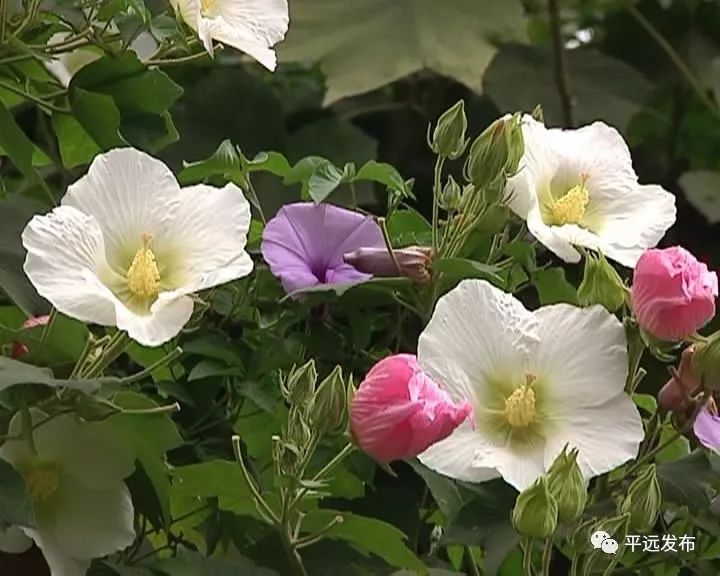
(324, 180)
(553, 287)
(646, 402)
(367, 535)
(15, 212)
(352, 42)
(687, 481)
(19, 148)
(677, 449)
(77, 147)
(459, 268)
(216, 347)
(193, 564)
(449, 496)
(702, 189)
(225, 161)
(15, 504)
(406, 227)
(486, 521)
(384, 174)
(521, 77)
(219, 479)
(98, 116)
(152, 436)
(14, 373)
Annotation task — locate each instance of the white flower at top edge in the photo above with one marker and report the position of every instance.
(82, 508)
(252, 26)
(537, 381)
(128, 247)
(578, 188)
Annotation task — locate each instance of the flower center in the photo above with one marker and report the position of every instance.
(209, 8)
(143, 276)
(570, 208)
(42, 480)
(520, 406)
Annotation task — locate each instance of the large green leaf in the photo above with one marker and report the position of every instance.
(76, 146)
(702, 189)
(190, 564)
(688, 481)
(521, 77)
(365, 44)
(14, 373)
(15, 505)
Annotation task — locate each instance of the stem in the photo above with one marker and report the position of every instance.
(32, 98)
(164, 361)
(674, 57)
(27, 425)
(296, 565)
(47, 328)
(312, 539)
(29, 17)
(474, 570)
(80, 364)
(3, 20)
(339, 457)
(439, 163)
(353, 195)
(251, 189)
(177, 61)
(547, 556)
(560, 64)
(251, 484)
(388, 244)
(527, 557)
(114, 348)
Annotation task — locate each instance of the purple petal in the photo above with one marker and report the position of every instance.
(304, 244)
(707, 429)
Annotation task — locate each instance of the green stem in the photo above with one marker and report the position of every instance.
(115, 346)
(3, 20)
(162, 363)
(388, 244)
(80, 364)
(547, 556)
(339, 457)
(29, 17)
(251, 484)
(527, 557)
(178, 61)
(471, 562)
(306, 541)
(437, 190)
(27, 425)
(47, 329)
(32, 98)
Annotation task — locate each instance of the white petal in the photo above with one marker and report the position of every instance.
(476, 333)
(129, 193)
(188, 10)
(606, 435)
(518, 467)
(554, 238)
(14, 541)
(168, 314)
(59, 561)
(90, 452)
(582, 358)
(210, 232)
(455, 456)
(91, 523)
(241, 38)
(66, 253)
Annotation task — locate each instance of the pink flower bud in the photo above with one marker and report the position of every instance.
(19, 349)
(398, 411)
(677, 393)
(412, 262)
(673, 295)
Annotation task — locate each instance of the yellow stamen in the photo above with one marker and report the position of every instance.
(206, 6)
(143, 276)
(520, 405)
(570, 209)
(42, 481)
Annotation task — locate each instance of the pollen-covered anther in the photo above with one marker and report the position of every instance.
(520, 406)
(570, 209)
(143, 276)
(41, 481)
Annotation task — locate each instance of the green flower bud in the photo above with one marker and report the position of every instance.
(536, 511)
(496, 153)
(567, 485)
(299, 385)
(329, 408)
(706, 361)
(601, 284)
(448, 139)
(643, 501)
(451, 196)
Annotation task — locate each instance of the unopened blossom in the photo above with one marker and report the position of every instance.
(707, 428)
(538, 382)
(304, 244)
(578, 188)
(128, 246)
(676, 394)
(81, 506)
(399, 411)
(673, 294)
(412, 262)
(251, 26)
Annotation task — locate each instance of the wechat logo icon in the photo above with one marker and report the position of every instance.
(602, 540)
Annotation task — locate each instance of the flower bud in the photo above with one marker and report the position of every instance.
(451, 196)
(677, 393)
(299, 385)
(706, 361)
(329, 408)
(18, 349)
(643, 501)
(601, 284)
(496, 153)
(413, 261)
(567, 485)
(449, 136)
(536, 511)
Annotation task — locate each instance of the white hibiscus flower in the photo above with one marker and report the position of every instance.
(537, 381)
(252, 26)
(83, 510)
(128, 247)
(578, 188)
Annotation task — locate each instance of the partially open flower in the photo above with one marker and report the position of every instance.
(305, 242)
(128, 247)
(399, 411)
(412, 262)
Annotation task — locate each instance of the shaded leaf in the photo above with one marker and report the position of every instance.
(15, 504)
(14, 373)
(687, 481)
(553, 287)
(702, 189)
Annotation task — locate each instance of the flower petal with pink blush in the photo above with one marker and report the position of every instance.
(398, 411)
(304, 244)
(673, 294)
(707, 429)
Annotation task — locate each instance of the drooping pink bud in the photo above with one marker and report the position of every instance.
(412, 262)
(677, 393)
(399, 411)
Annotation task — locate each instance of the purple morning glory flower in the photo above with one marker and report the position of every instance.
(707, 429)
(305, 242)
